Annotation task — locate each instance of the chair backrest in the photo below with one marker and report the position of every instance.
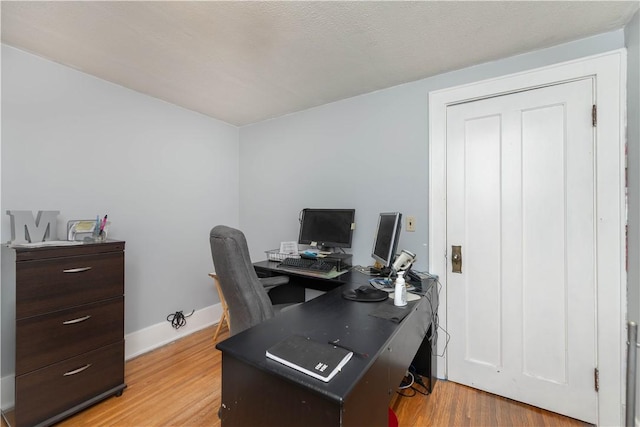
(246, 297)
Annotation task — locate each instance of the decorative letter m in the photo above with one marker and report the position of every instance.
(24, 229)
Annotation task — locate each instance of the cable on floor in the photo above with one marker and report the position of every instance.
(178, 319)
(407, 387)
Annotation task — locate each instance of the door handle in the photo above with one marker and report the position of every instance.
(456, 259)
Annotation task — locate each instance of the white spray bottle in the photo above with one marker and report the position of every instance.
(400, 293)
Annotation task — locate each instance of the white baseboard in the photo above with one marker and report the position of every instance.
(152, 337)
(137, 343)
(7, 388)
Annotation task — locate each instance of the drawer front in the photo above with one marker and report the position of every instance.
(58, 283)
(47, 339)
(50, 391)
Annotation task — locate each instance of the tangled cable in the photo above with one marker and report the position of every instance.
(409, 383)
(178, 319)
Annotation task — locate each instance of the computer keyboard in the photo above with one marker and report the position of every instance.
(315, 265)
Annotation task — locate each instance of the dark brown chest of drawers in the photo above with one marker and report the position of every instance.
(63, 328)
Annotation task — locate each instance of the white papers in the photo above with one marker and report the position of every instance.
(289, 248)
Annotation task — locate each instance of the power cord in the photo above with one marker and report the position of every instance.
(407, 386)
(418, 380)
(407, 381)
(435, 323)
(178, 319)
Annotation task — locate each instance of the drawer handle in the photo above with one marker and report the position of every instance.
(78, 320)
(77, 371)
(76, 270)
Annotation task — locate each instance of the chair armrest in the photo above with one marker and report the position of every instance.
(272, 282)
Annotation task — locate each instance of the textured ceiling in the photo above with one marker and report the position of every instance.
(243, 62)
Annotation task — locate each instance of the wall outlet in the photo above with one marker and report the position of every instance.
(411, 223)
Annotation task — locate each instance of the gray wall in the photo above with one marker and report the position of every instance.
(368, 152)
(164, 175)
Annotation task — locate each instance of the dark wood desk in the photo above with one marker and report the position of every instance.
(256, 390)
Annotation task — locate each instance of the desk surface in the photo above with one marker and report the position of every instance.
(325, 318)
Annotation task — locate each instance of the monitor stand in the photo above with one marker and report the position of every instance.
(382, 272)
(340, 260)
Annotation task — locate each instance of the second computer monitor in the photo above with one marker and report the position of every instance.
(386, 238)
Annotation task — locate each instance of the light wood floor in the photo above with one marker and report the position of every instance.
(179, 385)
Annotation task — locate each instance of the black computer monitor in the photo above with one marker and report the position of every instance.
(386, 238)
(327, 228)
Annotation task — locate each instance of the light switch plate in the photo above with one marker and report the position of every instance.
(411, 223)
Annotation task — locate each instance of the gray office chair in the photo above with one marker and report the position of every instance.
(245, 294)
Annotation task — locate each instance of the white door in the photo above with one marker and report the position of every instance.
(520, 204)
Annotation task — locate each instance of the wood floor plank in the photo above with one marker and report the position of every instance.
(179, 385)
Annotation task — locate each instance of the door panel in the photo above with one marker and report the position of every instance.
(520, 202)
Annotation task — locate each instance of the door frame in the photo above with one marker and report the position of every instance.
(609, 73)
